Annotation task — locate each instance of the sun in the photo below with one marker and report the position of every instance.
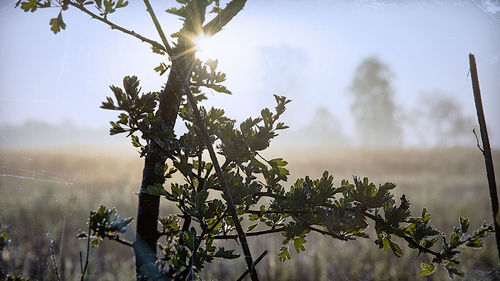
(206, 47)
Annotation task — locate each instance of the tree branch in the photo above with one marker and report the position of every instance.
(222, 181)
(117, 27)
(270, 194)
(122, 241)
(159, 29)
(224, 16)
(84, 268)
(256, 233)
(256, 262)
(404, 236)
(53, 257)
(333, 234)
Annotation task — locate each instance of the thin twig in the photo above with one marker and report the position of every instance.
(333, 234)
(53, 256)
(159, 29)
(272, 212)
(84, 270)
(255, 233)
(117, 27)
(122, 241)
(256, 262)
(477, 141)
(270, 194)
(189, 268)
(226, 190)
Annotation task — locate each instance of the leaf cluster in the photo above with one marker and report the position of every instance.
(342, 212)
(187, 248)
(57, 23)
(138, 110)
(105, 223)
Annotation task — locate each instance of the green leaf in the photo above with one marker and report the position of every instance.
(56, 24)
(284, 254)
(135, 141)
(429, 243)
(157, 50)
(278, 162)
(254, 217)
(452, 271)
(281, 126)
(212, 64)
(395, 249)
(464, 224)
(156, 190)
(29, 6)
(175, 190)
(162, 68)
(181, 12)
(250, 228)
(121, 4)
(298, 244)
(94, 243)
(116, 128)
(474, 243)
(108, 5)
(219, 88)
(221, 253)
(454, 239)
(427, 269)
(123, 118)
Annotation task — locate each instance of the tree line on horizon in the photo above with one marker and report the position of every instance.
(436, 119)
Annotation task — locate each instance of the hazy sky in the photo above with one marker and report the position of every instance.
(306, 50)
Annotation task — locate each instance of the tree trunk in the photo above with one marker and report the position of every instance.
(149, 205)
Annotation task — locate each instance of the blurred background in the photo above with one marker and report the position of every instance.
(379, 89)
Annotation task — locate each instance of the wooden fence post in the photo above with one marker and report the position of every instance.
(486, 149)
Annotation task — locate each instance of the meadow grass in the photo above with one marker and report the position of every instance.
(53, 191)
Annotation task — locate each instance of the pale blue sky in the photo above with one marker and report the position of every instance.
(306, 50)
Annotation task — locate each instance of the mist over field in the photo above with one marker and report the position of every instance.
(52, 190)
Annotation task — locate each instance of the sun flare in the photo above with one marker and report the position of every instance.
(206, 47)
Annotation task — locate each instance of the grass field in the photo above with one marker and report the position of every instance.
(53, 190)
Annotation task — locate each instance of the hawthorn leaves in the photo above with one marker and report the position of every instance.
(258, 186)
(343, 212)
(57, 24)
(105, 223)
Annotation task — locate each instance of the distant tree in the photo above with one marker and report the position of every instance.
(212, 200)
(373, 105)
(325, 129)
(438, 119)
